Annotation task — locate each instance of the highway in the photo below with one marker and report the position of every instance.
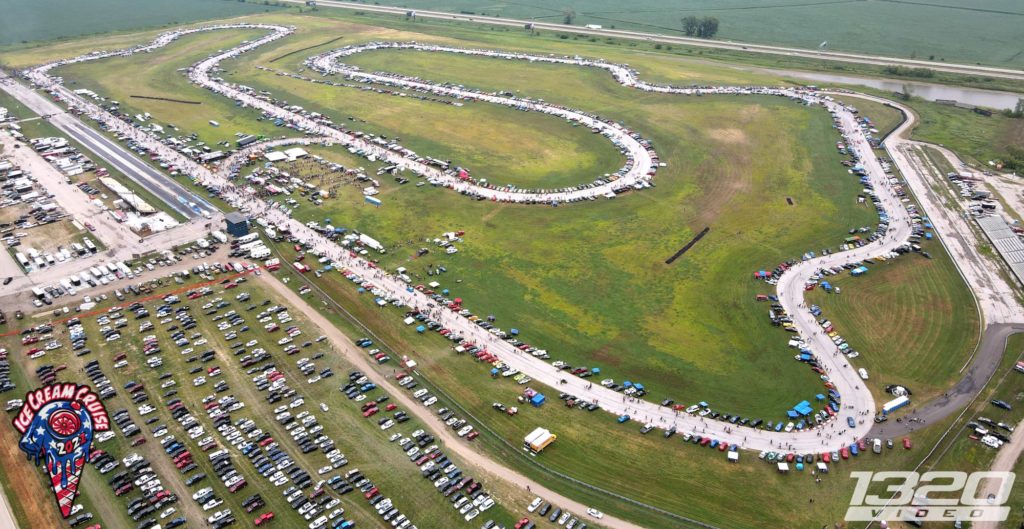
(159, 184)
(965, 69)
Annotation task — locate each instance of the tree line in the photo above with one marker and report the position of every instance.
(704, 28)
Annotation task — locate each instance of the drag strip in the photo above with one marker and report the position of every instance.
(172, 193)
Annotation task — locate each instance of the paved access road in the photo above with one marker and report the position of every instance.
(1001, 312)
(966, 69)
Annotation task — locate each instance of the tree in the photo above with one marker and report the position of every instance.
(690, 24)
(707, 27)
(569, 15)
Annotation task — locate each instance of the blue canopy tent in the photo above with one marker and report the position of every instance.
(421, 329)
(514, 332)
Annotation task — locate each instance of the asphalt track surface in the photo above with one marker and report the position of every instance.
(965, 69)
(790, 287)
(166, 189)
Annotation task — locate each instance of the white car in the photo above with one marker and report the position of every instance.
(323, 407)
(168, 512)
(595, 513)
(388, 424)
(324, 470)
(534, 504)
(199, 381)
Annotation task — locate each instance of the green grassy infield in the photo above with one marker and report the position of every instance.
(918, 30)
(910, 308)
(602, 273)
(362, 441)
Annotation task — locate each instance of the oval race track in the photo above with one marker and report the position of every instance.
(641, 166)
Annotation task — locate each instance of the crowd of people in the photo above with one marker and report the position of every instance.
(643, 161)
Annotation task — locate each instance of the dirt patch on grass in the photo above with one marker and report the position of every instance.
(25, 489)
(729, 135)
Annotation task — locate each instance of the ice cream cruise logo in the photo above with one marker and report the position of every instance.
(57, 424)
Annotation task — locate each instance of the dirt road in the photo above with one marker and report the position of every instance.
(1005, 461)
(454, 443)
(6, 516)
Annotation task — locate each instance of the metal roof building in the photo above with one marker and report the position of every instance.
(1006, 242)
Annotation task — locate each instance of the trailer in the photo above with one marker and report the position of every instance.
(219, 236)
(259, 252)
(247, 238)
(538, 440)
(895, 404)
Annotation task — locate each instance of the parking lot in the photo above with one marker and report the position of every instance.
(188, 414)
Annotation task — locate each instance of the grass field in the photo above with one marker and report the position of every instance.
(48, 20)
(909, 308)
(668, 474)
(951, 30)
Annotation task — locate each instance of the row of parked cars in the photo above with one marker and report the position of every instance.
(320, 509)
(466, 494)
(555, 515)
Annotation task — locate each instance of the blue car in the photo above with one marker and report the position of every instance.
(623, 418)
(851, 422)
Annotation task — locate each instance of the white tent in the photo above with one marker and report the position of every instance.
(733, 456)
(783, 468)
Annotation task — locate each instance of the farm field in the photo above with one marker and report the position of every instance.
(23, 23)
(930, 30)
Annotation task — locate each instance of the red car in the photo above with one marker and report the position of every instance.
(472, 435)
(90, 226)
(370, 412)
(265, 517)
(390, 407)
(522, 523)
(906, 443)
